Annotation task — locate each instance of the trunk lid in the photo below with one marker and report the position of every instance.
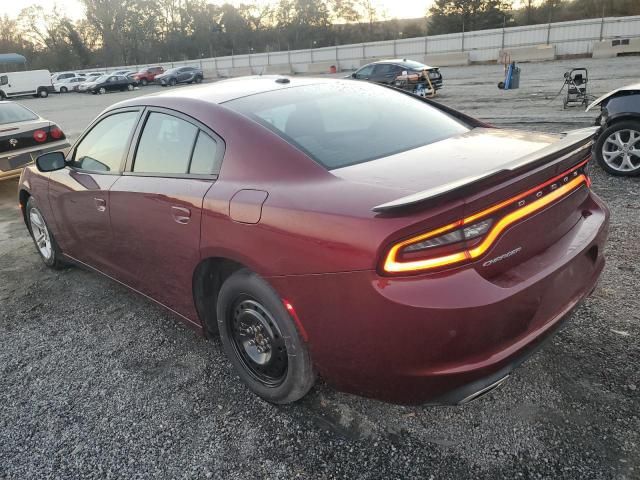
(489, 173)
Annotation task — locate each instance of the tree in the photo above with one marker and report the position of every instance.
(448, 16)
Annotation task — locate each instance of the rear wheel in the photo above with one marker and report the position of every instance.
(130, 87)
(143, 82)
(618, 148)
(262, 341)
(198, 79)
(43, 93)
(42, 236)
(63, 90)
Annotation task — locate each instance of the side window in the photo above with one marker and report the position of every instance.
(383, 69)
(205, 160)
(4, 80)
(165, 145)
(365, 72)
(104, 147)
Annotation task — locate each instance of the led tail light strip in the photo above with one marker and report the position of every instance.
(520, 207)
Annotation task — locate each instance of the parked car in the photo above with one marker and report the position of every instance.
(68, 84)
(148, 75)
(23, 136)
(180, 75)
(56, 77)
(110, 83)
(30, 82)
(617, 148)
(411, 261)
(89, 81)
(387, 71)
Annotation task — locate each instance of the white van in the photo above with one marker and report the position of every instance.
(31, 82)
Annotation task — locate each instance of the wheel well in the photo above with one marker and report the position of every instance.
(207, 281)
(23, 198)
(624, 118)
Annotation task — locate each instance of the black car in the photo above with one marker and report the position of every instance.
(388, 71)
(180, 75)
(24, 135)
(110, 83)
(617, 147)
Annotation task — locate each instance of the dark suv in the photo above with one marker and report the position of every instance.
(387, 71)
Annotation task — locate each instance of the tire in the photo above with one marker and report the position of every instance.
(43, 239)
(198, 79)
(2, 95)
(282, 374)
(63, 90)
(130, 87)
(173, 82)
(102, 91)
(143, 82)
(623, 136)
(43, 93)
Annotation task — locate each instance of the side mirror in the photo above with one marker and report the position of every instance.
(50, 162)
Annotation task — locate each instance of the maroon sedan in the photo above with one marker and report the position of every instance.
(393, 246)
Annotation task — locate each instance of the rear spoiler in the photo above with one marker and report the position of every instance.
(573, 143)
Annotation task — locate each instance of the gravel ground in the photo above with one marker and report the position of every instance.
(96, 382)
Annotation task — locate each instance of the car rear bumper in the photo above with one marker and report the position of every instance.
(443, 338)
(12, 163)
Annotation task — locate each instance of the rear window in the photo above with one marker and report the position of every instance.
(345, 123)
(13, 113)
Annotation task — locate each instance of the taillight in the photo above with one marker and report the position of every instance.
(56, 133)
(40, 136)
(471, 237)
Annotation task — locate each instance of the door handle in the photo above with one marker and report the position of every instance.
(181, 215)
(101, 204)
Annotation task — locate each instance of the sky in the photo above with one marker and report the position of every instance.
(392, 8)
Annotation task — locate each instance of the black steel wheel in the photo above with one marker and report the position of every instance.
(262, 340)
(257, 341)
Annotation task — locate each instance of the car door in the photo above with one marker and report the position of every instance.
(364, 73)
(112, 84)
(79, 193)
(384, 73)
(156, 206)
(184, 74)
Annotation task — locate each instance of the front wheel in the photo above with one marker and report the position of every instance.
(618, 148)
(63, 90)
(130, 87)
(173, 82)
(143, 82)
(102, 91)
(261, 340)
(42, 236)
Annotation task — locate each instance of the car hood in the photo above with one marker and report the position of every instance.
(628, 88)
(460, 159)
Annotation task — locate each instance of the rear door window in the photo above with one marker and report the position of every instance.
(165, 145)
(206, 158)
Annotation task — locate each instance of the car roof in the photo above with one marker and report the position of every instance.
(227, 90)
(405, 62)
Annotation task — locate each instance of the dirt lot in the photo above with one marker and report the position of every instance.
(96, 382)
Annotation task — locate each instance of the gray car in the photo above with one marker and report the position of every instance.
(180, 75)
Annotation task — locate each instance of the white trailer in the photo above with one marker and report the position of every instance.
(30, 82)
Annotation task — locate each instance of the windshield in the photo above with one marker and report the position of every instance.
(14, 113)
(344, 123)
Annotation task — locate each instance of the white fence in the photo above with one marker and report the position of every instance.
(569, 38)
